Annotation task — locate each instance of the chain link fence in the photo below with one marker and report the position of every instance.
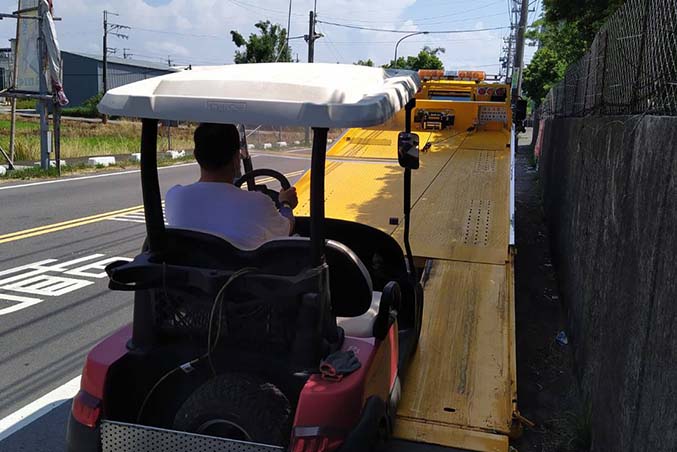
(631, 67)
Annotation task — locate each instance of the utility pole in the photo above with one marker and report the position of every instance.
(109, 28)
(126, 55)
(519, 50)
(169, 60)
(310, 38)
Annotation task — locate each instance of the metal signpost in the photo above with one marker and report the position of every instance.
(28, 81)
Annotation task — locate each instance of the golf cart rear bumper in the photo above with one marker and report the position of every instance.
(120, 437)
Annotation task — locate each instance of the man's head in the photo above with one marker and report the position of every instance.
(217, 146)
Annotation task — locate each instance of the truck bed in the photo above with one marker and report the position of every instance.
(460, 390)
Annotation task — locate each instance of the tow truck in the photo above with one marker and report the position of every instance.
(228, 349)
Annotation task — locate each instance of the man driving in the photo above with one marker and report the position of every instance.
(213, 204)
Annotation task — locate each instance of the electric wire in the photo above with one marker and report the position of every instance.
(386, 30)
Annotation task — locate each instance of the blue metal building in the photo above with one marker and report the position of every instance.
(83, 74)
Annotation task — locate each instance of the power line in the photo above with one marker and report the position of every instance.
(336, 51)
(423, 41)
(194, 35)
(420, 19)
(385, 30)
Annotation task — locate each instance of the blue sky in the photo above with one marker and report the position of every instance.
(197, 31)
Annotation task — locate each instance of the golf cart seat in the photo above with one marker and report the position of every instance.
(358, 309)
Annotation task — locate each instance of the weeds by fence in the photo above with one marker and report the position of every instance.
(631, 67)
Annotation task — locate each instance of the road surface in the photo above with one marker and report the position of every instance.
(55, 238)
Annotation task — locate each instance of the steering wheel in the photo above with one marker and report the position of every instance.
(263, 188)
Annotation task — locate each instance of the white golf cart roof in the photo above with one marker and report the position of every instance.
(278, 94)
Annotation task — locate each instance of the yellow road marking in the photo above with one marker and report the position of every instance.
(19, 235)
(47, 229)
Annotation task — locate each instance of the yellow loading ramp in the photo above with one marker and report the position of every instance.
(460, 390)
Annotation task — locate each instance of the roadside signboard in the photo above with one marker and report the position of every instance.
(27, 52)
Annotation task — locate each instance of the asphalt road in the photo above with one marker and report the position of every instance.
(55, 238)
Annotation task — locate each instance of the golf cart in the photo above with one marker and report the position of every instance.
(297, 345)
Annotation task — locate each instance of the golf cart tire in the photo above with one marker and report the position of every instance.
(257, 407)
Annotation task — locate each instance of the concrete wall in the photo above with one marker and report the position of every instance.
(610, 197)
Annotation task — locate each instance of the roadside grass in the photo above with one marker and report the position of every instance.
(92, 139)
(87, 139)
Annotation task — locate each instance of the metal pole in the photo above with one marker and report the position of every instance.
(44, 124)
(317, 169)
(150, 187)
(15, 75)
(289, 24)
(105, 52)
(104, 75)
(57, 137)
(405, 37)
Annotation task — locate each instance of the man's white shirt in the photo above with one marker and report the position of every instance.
(246, 219)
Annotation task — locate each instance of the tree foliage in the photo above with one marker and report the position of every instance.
(564, 34)
(365, 63)
(427, 58)
(269, 45)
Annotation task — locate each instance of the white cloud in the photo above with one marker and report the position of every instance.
(184, 20)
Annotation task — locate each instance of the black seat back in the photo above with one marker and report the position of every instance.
(349, 280)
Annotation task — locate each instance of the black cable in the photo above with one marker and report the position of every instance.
(218, 301)
(188, 366)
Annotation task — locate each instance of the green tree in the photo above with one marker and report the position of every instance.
(268, 46)
(365, 63)
(426, 59)
(564, 34)
(544, 71)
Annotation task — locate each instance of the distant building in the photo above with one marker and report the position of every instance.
(83, 74)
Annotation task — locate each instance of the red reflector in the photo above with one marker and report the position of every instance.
(86, 409)
(315, 444)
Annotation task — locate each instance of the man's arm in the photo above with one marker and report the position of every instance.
(288, 200)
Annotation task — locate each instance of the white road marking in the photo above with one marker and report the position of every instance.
(34, 410)
(22, 303)
(95, 176)
(34, 279)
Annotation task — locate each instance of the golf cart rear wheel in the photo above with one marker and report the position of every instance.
(237, 406)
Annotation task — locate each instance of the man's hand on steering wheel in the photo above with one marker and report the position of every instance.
(250, 177)
(289, 196)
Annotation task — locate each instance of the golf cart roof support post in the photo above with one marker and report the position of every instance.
(317, 168)
(246, 158)
(409, 108)
(150, 186)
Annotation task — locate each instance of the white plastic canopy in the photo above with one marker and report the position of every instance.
(278, 94)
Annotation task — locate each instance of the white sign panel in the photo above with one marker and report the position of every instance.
(28, 59)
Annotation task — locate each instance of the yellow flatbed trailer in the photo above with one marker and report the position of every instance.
(460, 389)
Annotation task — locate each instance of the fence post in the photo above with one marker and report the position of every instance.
(606, 53)
(640, 65)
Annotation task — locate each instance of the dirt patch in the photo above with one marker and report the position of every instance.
(547, 389)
